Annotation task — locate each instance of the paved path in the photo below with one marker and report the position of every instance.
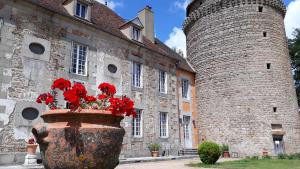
(173, 164)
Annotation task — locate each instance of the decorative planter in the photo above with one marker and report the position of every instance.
(31, 148)
(154, 153)
(265, 153)
(87, 139)
(226, 154)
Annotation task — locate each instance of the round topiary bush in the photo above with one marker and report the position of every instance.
(209, 152)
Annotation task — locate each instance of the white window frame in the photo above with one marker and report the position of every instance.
(163, 127)
(163, 83)
(139, 116)
(137, 76)
(136, 33)
(80, 10)
(77, 59)
(187, 95)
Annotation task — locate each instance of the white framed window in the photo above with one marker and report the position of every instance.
(79, 59)
(185, 88)
(81, 10)
(162, 86)
(136, 33)
(136, 74)
(137, 124)
(163, 125)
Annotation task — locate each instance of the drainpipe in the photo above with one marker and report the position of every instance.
(178, 102)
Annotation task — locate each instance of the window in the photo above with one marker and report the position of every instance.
(260, 9)
(274, 109)
(265, 34)
(37, 48)
(185, 88)
(136, 74)
(79, 59)
(163, 125)
(137, 124)
(136, 34)
(81, 10)
(112, 68)
(268, 65)
(162, 82)
(30, 113)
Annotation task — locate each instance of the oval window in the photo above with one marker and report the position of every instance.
(37, 48)
(30, 113)
(112, 68)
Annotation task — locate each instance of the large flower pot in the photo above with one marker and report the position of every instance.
(226, 154)
(154, 153)
(31, 148)
(77, 140)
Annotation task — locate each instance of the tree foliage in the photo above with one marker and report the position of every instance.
(294, 51)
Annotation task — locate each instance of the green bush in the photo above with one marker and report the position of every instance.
(266, 157)
(209, 152)
(254, 158)
(282, 156)
(224, 147)
(154, 147)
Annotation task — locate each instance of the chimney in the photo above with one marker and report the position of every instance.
(146, 16)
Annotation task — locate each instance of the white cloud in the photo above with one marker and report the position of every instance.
(181, 4)
(111, 4)
(177, 40)
(292, 18)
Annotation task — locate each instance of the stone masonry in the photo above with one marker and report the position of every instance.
(244, 81)
(24, 75)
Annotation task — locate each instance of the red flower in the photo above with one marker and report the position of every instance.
(90, 99)
(102, 96)
(122, 106)
(61, 84)
(49, 99)
(31, 141)
(80, 90)
(71, 97)
(45, 97)
(107, 88)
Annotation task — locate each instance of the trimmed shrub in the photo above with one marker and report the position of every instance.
(282, 156)
(209, 152)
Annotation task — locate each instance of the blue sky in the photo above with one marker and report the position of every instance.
(170, 14)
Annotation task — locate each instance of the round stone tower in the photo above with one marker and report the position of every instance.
(246, 97)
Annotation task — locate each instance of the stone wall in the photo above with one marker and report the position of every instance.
(23, 75)
(244, 81)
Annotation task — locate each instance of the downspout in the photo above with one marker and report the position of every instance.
(178, 102)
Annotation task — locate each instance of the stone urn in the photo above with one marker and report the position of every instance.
(88, 139)
(154, 153)
(31, 148)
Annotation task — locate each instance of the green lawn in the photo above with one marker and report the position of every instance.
(254, 164)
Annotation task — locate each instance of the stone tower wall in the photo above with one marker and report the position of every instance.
(237, 93)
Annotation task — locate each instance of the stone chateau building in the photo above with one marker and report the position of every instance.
(86, 42)
(244, 85)
(238, 49)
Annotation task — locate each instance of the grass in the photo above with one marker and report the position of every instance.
(254, 164)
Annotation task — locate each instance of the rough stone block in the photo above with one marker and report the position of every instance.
(6, 158)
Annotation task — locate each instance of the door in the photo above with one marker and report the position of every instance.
(187, 134)
(278, 144)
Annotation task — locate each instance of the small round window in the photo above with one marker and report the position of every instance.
(30, 113)
(37, 48)
(112, 68)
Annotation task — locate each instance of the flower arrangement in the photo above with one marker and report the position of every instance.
(31, 141)
(76, 96)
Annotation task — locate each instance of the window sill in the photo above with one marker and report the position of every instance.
(134, 88)
(186, 100)
(137, 139)
(163, 95)
(82, 19)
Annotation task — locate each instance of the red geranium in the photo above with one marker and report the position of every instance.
(78, 98)
(31, 141)
(61, 84)
(107, 89)
(90, 99)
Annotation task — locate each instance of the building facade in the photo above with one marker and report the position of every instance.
(86, 42)
(245, 91)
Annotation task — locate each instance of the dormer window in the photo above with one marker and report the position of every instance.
(136, 34)
(81, 10)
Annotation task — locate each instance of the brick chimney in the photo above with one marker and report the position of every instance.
(146, 16)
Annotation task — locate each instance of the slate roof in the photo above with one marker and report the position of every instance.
(105, 19)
